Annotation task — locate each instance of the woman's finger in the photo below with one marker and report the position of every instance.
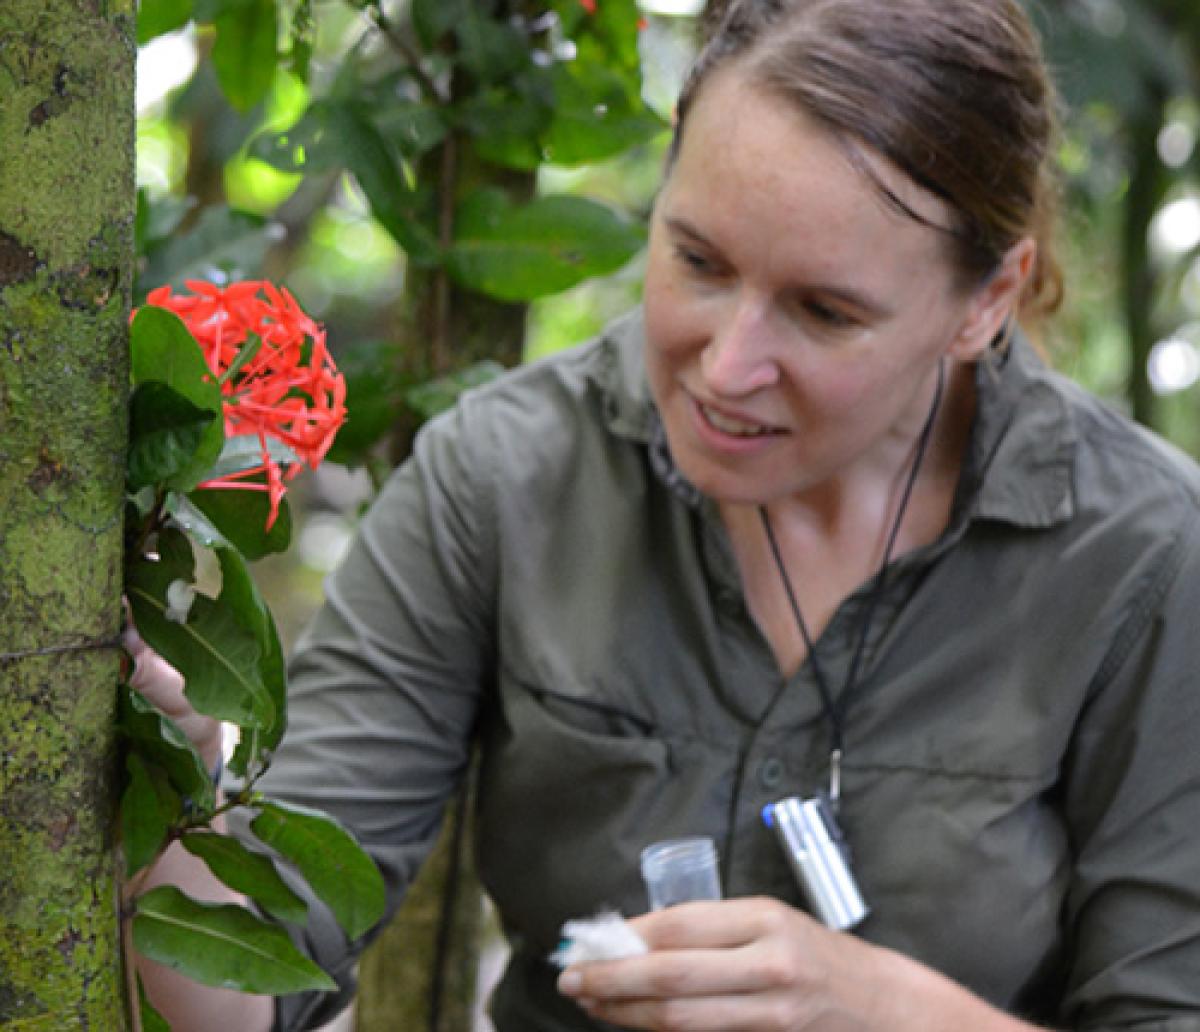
(760, 967)
(723, 924)
(705, 1014)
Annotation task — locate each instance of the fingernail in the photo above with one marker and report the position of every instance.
(570, 982)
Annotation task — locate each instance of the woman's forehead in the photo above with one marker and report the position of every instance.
(748, 154)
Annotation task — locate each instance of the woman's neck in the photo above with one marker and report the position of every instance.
(832, 538)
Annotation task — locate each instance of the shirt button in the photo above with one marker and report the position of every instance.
(770, 772)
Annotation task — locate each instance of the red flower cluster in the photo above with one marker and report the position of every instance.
(288, 390)
(588, 5)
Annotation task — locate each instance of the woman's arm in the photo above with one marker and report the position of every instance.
(187, 1005)
(759, 965)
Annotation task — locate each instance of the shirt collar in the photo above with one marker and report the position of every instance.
(1019, 460)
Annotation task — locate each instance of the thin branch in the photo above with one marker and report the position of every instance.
(448, 177)
(396, 38)
(58, 650)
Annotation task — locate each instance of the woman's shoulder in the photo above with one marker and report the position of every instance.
(1119, 458)
(593, 389)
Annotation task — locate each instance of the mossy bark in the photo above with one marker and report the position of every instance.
(66, 230)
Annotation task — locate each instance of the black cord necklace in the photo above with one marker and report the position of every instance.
(835, 709)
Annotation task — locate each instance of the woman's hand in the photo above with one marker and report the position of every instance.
(757, 965)
(744, 964)
(163, 685)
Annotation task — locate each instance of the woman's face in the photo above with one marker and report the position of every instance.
(794, 319)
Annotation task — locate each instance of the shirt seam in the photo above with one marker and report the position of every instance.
(1147, 601)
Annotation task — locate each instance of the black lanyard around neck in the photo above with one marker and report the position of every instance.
(835, 709)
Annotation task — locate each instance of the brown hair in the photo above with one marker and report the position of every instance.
(955, 93)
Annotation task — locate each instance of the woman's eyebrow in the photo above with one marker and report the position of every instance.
(865, 303)
(683, 227)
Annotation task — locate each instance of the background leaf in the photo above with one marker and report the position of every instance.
(221, 244)
(595, 115)
(374, 391)
(519, 253)
(436, 396)
(245, 50)
(156, 17)
(247, 872)
(221, 945)
(332, 862)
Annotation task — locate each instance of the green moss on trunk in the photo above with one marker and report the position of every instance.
(66, 218)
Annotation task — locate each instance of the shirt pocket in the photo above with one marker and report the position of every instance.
(572, 786)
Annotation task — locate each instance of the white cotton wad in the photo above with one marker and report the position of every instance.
(603, 937)
(180, 596)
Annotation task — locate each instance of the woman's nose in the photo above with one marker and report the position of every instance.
(740, 357)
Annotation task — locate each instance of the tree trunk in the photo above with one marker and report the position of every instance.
(66, 261)
(1145, 193)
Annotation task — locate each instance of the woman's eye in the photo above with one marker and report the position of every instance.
(695, 261)
(827, 316)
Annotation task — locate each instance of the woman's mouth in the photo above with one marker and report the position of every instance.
(733, 426)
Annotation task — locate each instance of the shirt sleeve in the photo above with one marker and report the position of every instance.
(385, 684)
(1132, 799)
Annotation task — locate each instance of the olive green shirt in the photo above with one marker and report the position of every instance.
(1022, 771)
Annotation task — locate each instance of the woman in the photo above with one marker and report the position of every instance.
(817, 518)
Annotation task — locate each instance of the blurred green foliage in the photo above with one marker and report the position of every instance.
(1129, 73)
(304, 141)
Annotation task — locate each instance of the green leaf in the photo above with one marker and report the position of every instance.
(608, 37)
(164, 351)
(518, 254)
(158, 17)
(156, 737)
(165, 432)
(250, 348)
(374, 390)
(149, 807)
(341, 133)
(158, 218)
(490, 48)
(432, 19)
(247, 872)
(396, 205)
(234, 518)
(216, 653)
(595, 115)
(244, 54)
(244, 451)
(436, 396)
(332, 862)
(221, 243)
(240, 593)
(221, 945)
(507, 124)
(412, 128)
(309, 145)
(302, 35)
(152, 1021)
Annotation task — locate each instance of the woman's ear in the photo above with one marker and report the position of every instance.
(994, 301)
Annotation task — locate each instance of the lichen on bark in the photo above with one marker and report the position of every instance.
(66, 217)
